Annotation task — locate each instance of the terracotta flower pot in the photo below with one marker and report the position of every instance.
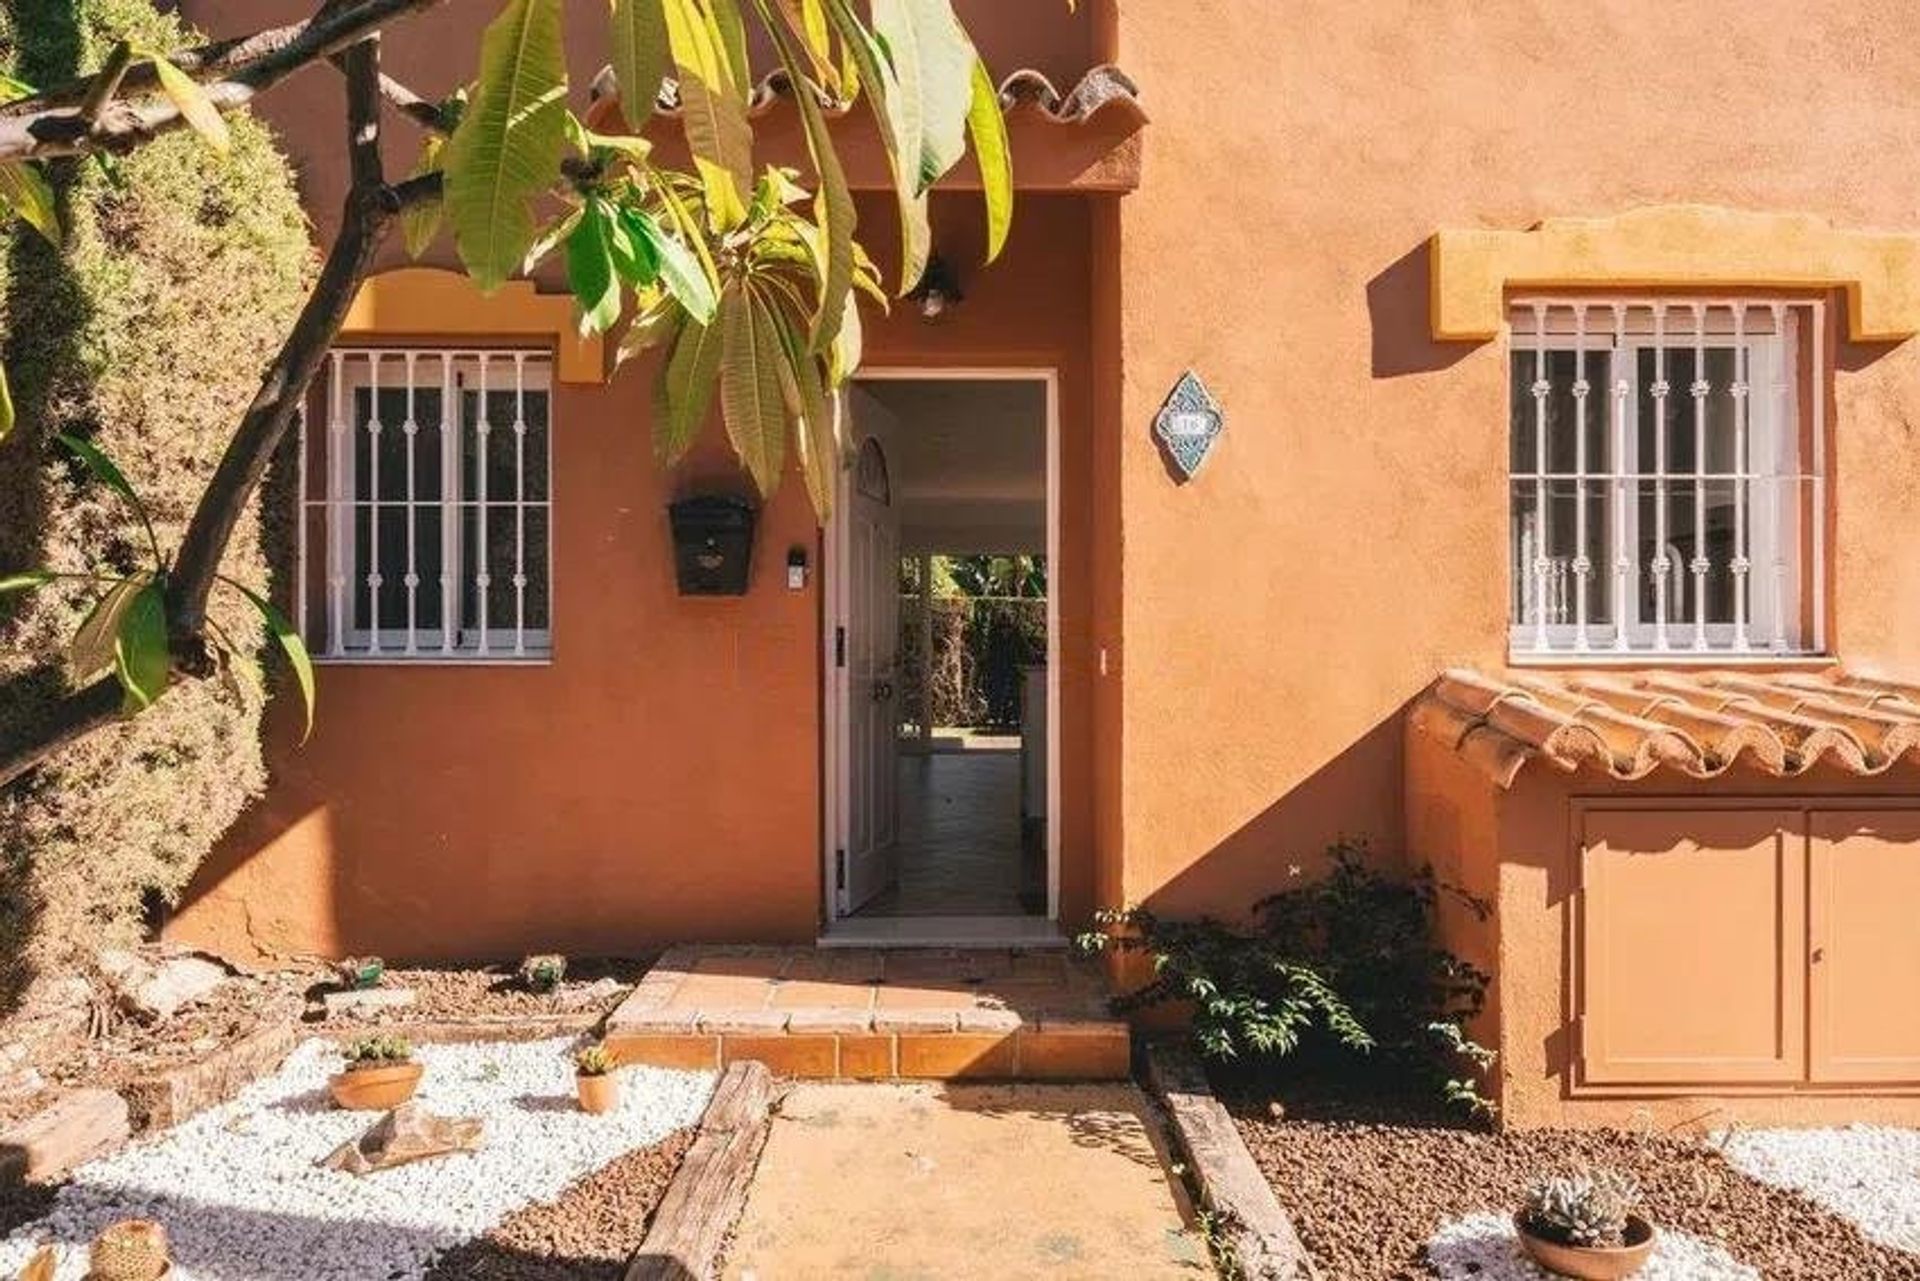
(598, 1094)
(1590, 1262)
(375, 1089)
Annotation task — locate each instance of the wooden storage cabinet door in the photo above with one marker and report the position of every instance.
(1692, 946)
(1864, 949)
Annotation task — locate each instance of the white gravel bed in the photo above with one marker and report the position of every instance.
(1485, 1247)
(241, 1198)
(1869, 1174)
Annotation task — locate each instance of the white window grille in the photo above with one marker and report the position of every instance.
(426, 504)
(1667, 487)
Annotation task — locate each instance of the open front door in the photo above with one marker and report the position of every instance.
(867, 639)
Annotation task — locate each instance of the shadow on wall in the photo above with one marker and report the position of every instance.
(1355, 795)
(1399, 303)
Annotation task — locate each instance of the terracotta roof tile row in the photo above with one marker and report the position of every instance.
(1698, 724)
(1101, 88)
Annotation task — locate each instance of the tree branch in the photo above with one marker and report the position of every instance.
(50, 124)
(68, 721)
(370, 209)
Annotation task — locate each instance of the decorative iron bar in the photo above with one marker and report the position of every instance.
(403, 543)
(1709, 521)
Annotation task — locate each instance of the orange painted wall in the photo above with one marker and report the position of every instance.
(1347, 538)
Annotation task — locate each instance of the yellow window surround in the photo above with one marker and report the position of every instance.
(425, 302)
(1677, 247)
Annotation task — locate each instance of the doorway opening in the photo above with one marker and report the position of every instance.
(942, 690)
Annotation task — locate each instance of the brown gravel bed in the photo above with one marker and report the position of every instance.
(68, 1055)
(483, 992)
(1367, 1188)
(587, 1235)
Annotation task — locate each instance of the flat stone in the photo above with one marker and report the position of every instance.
(72, 1129)
(157, 992)
(408, 1133)
(363, 1002)
(598, 992)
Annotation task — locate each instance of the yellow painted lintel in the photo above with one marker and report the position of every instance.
(426, 302)
(1677, 247)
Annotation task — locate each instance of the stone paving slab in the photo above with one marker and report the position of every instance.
(1017, 1015)
(913, 1182)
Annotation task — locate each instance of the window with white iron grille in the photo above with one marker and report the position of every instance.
(1667, 492)
(425, 530)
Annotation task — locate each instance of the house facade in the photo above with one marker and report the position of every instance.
(1557, 531)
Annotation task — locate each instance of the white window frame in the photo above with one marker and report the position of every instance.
(454, 372)
(1779, 485)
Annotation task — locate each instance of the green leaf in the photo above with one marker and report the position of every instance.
(27, 582)
(108, 474)
(141, 658)
(590, 272)
(652, 328)
(833, 206)
(679, 269)
(6, 405)
(287, 636)
(640, 56)
(934, 60)
(818, 430)
(508, 145)
(751, 398)
(686, 390)
(988, 129)
(420, 223)
(92, 647)
(897, 112)
(713, 99)
(548, 239)
(635, 260)
(13, 89)
(25, 191)
(691, 235)
(195, 107)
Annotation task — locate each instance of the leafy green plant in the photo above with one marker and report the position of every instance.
(543, 973)
(359, 973)
(594, 1060)
(127, 632)
(1586, 1208)
(376, 1052)
(1342, 965)
(745, 277)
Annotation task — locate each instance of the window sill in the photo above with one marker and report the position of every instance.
(432, 660)
(1650, 659)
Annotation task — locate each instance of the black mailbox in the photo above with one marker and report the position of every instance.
(712, 544)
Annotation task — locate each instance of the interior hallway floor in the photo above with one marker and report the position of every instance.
(963, 849)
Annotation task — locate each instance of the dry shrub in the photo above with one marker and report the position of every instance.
(182, 274)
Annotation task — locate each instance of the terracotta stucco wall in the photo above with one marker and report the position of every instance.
(660, 779)
(1347, 538)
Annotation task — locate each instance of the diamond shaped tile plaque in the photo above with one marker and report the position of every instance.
(1189, 423)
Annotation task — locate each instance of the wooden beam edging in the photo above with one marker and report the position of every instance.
(706, 1197)
(1253, 1226)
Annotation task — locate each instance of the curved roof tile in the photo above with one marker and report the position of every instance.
(1699, 724)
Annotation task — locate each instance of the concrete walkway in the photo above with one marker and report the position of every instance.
(927, 1182)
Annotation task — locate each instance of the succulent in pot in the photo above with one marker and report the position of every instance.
(380, 1073)
(358, 973)
(543, 973)
(131, 1250)
(1586, 1225)
(594, 1075)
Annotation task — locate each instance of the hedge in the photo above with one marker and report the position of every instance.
(183, 272)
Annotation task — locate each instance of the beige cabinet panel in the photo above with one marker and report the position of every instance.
(1864, 945)
(1691, 946)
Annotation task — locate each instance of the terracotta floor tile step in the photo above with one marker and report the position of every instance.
(954, 1056)
(809, 1057)
(684, 1053)
(867, 1057)
(1077, 1055)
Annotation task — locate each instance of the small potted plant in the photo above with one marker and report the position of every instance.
(594, 1075)
(131, 1250)
(359, 973)
(543, 973)
(380, 1074)
(1585, 1225)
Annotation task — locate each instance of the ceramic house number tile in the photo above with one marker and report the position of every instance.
(1188, 423)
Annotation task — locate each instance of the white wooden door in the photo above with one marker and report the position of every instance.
(869, 640)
